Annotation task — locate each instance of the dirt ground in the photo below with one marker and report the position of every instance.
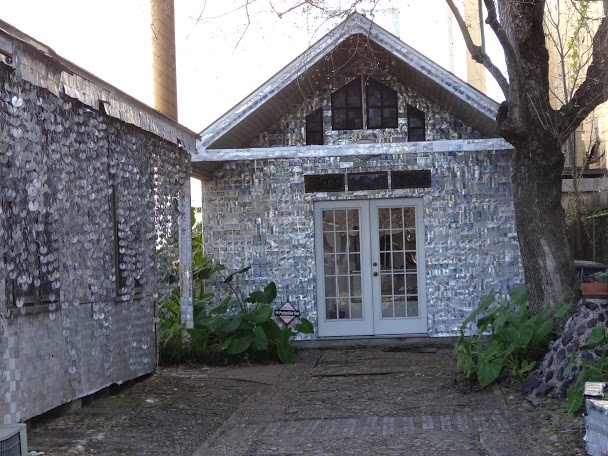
(364, 401)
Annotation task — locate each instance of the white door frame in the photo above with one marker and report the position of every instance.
(371, 322)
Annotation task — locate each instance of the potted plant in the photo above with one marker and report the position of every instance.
(595, 285)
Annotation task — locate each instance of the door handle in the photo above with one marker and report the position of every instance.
(375, 273)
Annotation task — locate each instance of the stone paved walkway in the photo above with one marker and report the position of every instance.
(335, 402)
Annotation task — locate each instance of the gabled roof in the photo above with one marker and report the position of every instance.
(300, 79)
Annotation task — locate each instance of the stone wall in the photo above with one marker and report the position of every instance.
(256, 213)
(85, 201)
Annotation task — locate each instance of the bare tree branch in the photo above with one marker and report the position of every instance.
(477, 52)
(499, 31)
(593, 91)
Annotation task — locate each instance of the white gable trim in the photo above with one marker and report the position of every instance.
(354, 24)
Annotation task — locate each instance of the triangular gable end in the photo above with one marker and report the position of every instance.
(273, 99)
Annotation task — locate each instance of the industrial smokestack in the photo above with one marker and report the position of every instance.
(473, 14)
(163, 57)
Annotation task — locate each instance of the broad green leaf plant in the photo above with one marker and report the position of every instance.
(506, 337)
(237, 329)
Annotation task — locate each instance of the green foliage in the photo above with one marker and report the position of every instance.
(244, 327)
(515, 342)
(591, 370)
(238, 329)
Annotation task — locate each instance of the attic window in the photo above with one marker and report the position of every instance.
(381, 105)
(347, 107)
(415, 124)
(314, 127)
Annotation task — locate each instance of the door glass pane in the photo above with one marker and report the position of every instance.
(399, 306)
(356, 310)
(412, 307)
(340, 220)
(397, 217)
(399, 284)
(410, 239)
(330, 287)
(330, 264)
(355, 286)
(331, 311)
(412, 284)
(409, 217)
(387, 307)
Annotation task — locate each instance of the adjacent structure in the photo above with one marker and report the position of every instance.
(92, 184)
(367, 182)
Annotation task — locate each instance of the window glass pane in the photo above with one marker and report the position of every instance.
(389, 117)
(324, 183)
(339, 119)
(389, 97)
(374, 118)
(355, 119)
(374, 96)
(353, 91)
(338, 99)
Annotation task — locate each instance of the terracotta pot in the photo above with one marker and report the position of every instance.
(594, 290)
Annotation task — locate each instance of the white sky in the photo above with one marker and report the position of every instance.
(111, 39)
(217, 65)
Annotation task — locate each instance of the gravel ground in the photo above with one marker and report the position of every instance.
(335, 402)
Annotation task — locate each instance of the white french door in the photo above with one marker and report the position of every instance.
(370, 267)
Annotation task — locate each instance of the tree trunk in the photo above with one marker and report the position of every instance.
(540, 219)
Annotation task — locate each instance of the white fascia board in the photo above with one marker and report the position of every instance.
(349, 150)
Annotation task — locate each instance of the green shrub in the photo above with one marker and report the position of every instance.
(591, 370)
(515, 341)
(237, 330)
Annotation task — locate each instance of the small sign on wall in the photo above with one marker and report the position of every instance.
(287, 313)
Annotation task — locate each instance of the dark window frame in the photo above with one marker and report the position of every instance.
(416, 124)
(348, 100)
(325, 183)
(380, 97)
(370, 180)
(314, 128)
